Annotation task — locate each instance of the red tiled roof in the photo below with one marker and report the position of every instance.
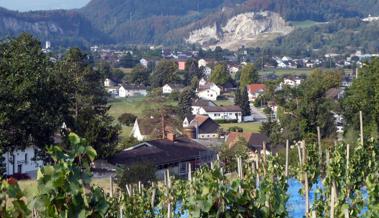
(253, 88)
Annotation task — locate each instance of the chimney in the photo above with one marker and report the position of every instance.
(171, 137)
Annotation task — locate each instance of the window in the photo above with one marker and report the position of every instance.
(19, 168)
(182, 168)
(26, 158)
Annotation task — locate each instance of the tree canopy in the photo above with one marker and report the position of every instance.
(31, 106)
(249, 75)
(220, 75)
(363, 96)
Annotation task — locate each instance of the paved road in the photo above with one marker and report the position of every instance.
(259, 116)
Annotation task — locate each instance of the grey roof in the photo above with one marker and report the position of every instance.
(232, 108)
(160, 152)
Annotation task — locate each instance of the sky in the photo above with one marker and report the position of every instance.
(28, 5)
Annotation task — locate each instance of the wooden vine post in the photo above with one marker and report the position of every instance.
(319, 145)
(264, 158)
(111, 186)
(305, 174)
(287, 158)
(168, 190)
(361, 126)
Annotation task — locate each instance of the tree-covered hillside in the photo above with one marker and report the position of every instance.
(60, 27)
(164, 21)
(347, 35)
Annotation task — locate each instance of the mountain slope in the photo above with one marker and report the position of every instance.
(60, 27)
(172, 22)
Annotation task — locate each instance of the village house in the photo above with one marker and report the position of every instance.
(201, 127)
(144, 62)
(109, 83)
(199, 103)
(111, 87)
(208, 90)
(172, 153)
(182, 64)
(202, 63)
(170, 88)
(254, 141)
(149, 128)
(224, 113)
(131, 90)
(22, 161)
(255, 90)
(291, 82)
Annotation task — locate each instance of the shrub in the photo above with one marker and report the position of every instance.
(235, 129)
(139, 172)
(127, 119)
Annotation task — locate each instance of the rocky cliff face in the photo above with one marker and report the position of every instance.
(247, 29)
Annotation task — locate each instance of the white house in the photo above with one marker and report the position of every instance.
(21, 161)
(170, 88)
(199, 103)
(128, 90)
(292, 82)
(208, 90)
(255, 90)
(202, 63)
(227, 113)
(108, 83)
(144, 62)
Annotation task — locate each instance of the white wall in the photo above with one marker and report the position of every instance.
(166, 89)
(27, 165)
(223, 115)
(136, 133)
(124, 93)
(208, 94)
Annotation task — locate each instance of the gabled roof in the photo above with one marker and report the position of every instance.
(256, 87)
(254, 140)
(203, 103)
(159, 152)
(152, 126)
(205, 124)
(133, 87)
(231, 108)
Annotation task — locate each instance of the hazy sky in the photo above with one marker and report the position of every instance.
(27, 5)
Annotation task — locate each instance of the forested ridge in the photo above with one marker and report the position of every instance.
(164, 21)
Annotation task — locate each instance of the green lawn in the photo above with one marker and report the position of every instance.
(133, 105)
(305, 23)
(247, 127)
(224, 102)
(281, 72)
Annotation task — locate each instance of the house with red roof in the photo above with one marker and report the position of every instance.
(255, 90)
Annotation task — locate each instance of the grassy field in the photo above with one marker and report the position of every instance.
(224, 102)
(281, 72)
(133, 105)
(247, 127)
(305, 23)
